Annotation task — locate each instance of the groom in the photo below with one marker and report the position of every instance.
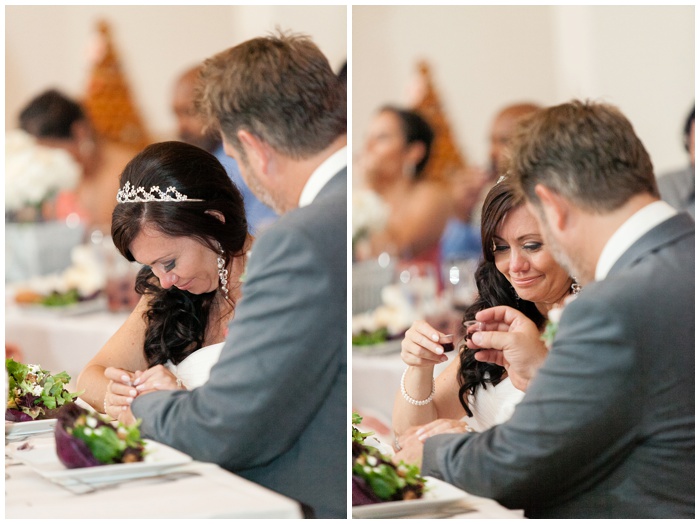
(275, 407)
(607, 425)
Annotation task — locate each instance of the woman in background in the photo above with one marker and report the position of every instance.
(394, 158)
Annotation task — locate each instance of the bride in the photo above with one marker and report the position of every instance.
(179, 215)
(517, 270)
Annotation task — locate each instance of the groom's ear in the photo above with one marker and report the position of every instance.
(555, 208)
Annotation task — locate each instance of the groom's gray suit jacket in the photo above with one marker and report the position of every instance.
(275, 407)
(607, 427)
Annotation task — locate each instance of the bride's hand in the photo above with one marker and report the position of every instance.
(442, 425)
(157, 378)
(421, 345)
(120, 391)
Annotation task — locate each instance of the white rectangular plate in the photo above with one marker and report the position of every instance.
(16, 429)
(437, 495)
(42, 458)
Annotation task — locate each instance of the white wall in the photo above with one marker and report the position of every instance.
(47, 46)
(640, 58)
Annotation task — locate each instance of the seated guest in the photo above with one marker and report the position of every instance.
(607, 425)
(461, 239)
(57, 121)
(193, 253)
(396, 152)
(517, 270)
(191, 129)
(274, 409)
(500, 134)
(678, 188)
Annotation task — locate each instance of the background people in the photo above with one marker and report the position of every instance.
(678, 188)
(396, 152)
(57, 121)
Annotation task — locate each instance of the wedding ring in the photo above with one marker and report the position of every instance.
(397, 446)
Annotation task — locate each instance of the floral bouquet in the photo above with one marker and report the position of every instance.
(34, 174)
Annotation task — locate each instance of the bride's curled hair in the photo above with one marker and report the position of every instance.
(176, 320)
(494, 290)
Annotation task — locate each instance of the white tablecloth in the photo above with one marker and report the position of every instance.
(214, 493)
(57, 342)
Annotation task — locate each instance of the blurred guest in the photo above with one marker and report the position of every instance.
(396, 152)
(607, 425)
(274, 409)
(191, 129)
(502, 130)
(461, 239)
(57, 121)
(678, 188)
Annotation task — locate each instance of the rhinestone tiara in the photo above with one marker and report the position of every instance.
(129, 194)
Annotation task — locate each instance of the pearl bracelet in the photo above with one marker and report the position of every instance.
(412, 400)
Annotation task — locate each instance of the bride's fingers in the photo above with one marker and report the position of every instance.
(119, 375)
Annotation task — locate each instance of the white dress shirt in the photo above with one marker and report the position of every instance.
(628, 233)
(322, 174)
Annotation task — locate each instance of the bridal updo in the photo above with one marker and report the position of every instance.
(176, 320)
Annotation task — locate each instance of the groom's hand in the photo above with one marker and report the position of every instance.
(511, 340)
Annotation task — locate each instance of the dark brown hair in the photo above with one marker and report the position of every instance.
(177, 320)
(279, 88)
(586, 152)
(415, 128)
(494, 290)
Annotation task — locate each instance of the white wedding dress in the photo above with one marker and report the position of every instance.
(493, 405)
(194, 370)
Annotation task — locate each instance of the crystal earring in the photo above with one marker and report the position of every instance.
(223, 272)
(575, 286)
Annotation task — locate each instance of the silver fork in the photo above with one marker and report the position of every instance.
(78, 486)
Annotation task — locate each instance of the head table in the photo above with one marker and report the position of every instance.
(193, 490)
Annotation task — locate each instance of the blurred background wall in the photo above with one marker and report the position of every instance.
(640, 58)
(50, 46)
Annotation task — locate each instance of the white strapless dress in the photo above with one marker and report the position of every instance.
(494, 405)
(194, 370)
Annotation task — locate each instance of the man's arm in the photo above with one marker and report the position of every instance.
(573, 427)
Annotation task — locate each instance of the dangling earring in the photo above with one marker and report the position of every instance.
(223, 272)
(575, 286)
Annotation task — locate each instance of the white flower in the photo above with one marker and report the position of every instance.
(369, 213)
(34, 172)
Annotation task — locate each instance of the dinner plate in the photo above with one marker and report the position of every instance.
(40, 455)
(390, 346)
(84, 307)
(437, 495)
(16, 429)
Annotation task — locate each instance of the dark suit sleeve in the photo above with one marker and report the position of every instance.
(574, 426)
(279, 362)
